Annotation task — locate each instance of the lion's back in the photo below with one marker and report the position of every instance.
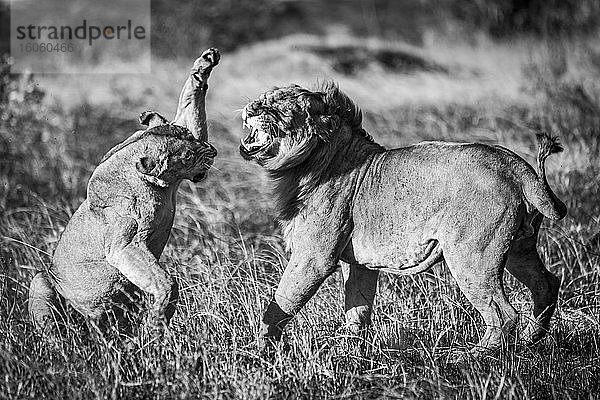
(455, 168)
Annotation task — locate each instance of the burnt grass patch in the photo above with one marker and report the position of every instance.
(351, 59)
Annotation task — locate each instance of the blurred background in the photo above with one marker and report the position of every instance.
(493, 71)
(487, 70)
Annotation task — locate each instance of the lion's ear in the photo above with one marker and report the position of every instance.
(325, 125)
(315, 104)
(148, 171)
(333, 122)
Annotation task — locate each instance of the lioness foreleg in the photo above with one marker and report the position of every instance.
(360, 285)
(141, 268)
(191, 111)
(133, 259)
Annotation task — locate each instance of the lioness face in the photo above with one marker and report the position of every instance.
(281, 125)
(190, 160)
(170, 159)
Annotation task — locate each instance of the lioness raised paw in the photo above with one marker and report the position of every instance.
(204, 64)
(190, 111)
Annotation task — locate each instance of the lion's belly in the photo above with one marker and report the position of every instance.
(402, 254)
(400, 236)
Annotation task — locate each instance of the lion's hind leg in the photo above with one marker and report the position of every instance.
(360, 285)
(525, 264)
(479, 276)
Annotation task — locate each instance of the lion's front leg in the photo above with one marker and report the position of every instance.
(317, 237)
(301, 279)
(360, 285)
(191, 111)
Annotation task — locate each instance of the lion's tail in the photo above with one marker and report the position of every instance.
(536, 188)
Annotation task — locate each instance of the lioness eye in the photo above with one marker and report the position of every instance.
(187, 156)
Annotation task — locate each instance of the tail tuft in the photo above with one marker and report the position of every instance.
(546, 201)
(547, 145)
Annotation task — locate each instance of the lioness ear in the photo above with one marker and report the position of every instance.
(147, 171)
(145, 165)
(152, 118)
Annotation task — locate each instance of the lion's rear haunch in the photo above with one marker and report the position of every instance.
(536, 189)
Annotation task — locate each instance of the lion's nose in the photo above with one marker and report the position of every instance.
(250, 110)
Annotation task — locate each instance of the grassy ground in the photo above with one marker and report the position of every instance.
(227, 251)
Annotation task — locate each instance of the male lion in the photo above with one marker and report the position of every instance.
(343, 197)
(111, 246)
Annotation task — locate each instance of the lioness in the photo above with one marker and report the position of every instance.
(111, 246)
(343, 197)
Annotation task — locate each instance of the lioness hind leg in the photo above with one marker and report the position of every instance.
(360, 285)
(479, 276)
(525, 264)
(43, 299)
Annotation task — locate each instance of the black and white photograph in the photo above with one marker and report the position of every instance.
(300, 199)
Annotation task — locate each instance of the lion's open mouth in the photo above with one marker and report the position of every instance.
(257, 141)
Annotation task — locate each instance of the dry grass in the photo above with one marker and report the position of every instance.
(228, 255)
